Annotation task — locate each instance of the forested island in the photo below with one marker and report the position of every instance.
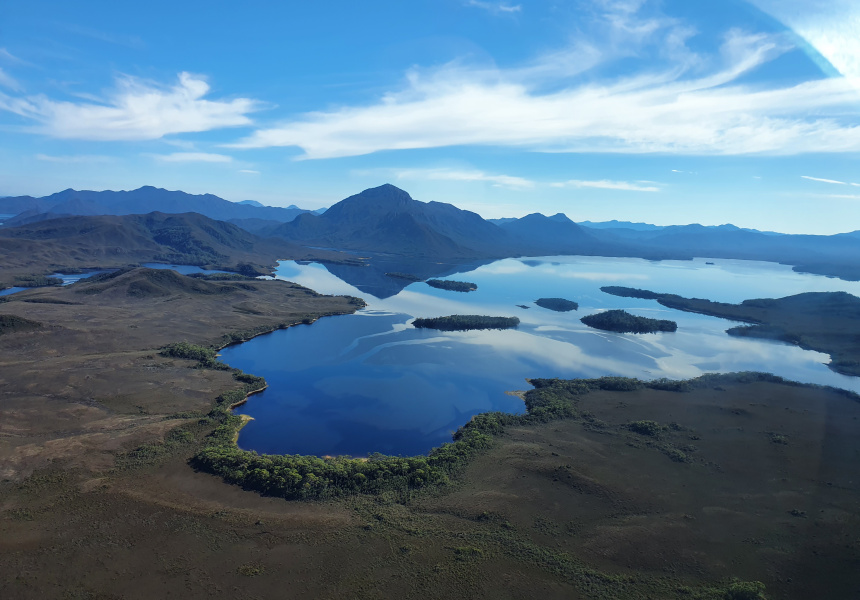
(466, 323)
(557, 304)
(622, 321)
(628, 292)
(452, 286)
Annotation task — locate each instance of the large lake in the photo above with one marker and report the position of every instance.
(370, 382)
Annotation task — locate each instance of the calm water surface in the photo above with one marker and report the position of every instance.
(370, 382)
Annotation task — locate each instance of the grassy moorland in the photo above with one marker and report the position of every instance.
(718, 487)
(822, 321)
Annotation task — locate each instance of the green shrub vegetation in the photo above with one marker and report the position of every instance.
(466, 322)
(745, 590)
(649, 428)
(452, 286)
(205, 357)
(557, 304)
(623, 322)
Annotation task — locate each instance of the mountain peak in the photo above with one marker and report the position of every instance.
(386, 191)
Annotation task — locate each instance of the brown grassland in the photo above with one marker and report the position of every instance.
(651, 494)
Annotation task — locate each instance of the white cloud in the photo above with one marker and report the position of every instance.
(135, 110)
(7, 56)
(249, 171)
(656, 112)
(8, 81)
(183, 157)
(605, 184)
(495, 7)
(74, 158)
(507, 181)
(829, 180)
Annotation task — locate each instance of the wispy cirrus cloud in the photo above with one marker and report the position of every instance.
(704, 110)
(444, 174)
(495, 7)
(834, 181)
(73, 159)
(129, 41)
(249, 171)
(7, 81)
(605, 184)
(186, 157)
(134, 110)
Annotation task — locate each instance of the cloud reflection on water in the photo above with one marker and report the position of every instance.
(370, 381)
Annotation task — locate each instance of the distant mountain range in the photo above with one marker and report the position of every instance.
(387, 221)
(140, 201)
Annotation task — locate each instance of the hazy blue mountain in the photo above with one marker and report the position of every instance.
(556, 234)
(613, 224)
(261, 227)
(144, 200)
(257, 204)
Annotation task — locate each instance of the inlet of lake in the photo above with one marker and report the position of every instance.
(370, 382)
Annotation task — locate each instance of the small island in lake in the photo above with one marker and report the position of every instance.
(466, 323)
(628, 292)
(452, 286)
(557, 304)
(622, 321)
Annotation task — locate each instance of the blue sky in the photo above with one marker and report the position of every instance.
(667, 111)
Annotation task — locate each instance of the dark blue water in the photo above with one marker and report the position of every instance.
(370, 382)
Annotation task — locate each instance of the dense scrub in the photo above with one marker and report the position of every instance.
(557, 304)
(623, 322)
(13, 323)
(466, 322)
(37, 281)
(452, 286)
(205, 357)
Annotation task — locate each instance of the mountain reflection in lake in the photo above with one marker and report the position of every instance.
(370, 382)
